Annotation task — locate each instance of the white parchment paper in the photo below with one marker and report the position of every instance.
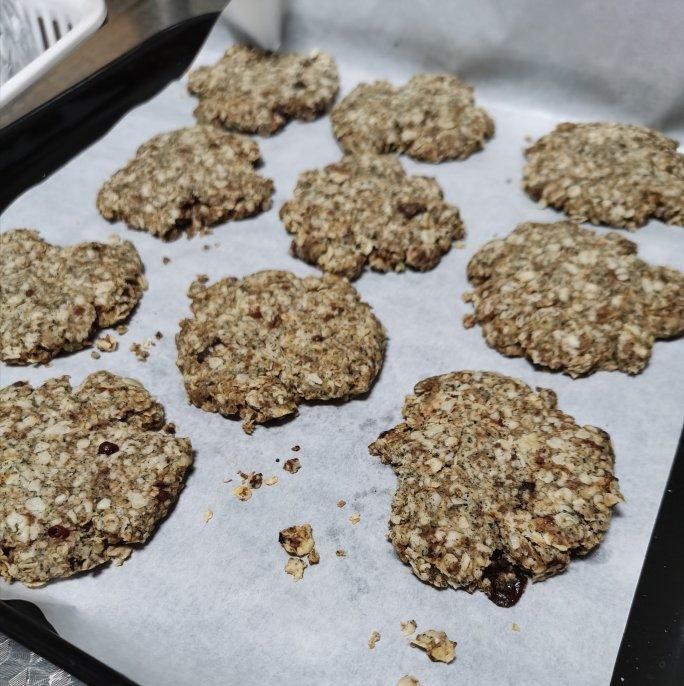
(210, 603)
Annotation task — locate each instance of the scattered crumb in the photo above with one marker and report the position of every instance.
(208, 515)
(243, 492)
(139, 352)
(227, 480)
(355, 518)
(106, 343)
(295, 567)
(202, 278)
(408, 628)
(314, 557)
(113, 239)
(514, 627)
(460, 244)
(341, 503)
(373, 640)
(271, 481)
(170, 428)
(166, 260)
(341, 553)
(293, 465)
(408, 680)
(159, 335)
(252, 479)
(295, 448)
(121, 329)
(95, 355)
(297, 540)
(436, 644)
(206, 247)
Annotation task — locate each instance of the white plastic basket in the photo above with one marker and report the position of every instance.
(42, 32)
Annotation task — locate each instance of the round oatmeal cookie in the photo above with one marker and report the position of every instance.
(54, 298)
(572, 300)
(495, 484)
(192, 177)
(255, 91)
(366, 209)
(259, 346)
(605, 173)
(432, 118)
(85, 474)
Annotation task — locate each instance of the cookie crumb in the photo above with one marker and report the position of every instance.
(252, 479)
(202, 278)
(139, 351)
(373, 640)
(408, 680)
(408, 628)
(295, 568)
(170, 428)
(355, 518)
(515, 627)
(243, 492)
(95, 355)
(297, 539)
(341, 503)
(106, 343)
(295, 448)
(208, 515)
(293, 465)
(314, 557)
(121, 329)
(271, 481)
(436, 644)
(459, 244)
(340, 552)
(166, 260)
(159, 335)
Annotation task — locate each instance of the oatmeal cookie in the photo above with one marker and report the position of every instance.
(257, 347)
(495, 484)
(53, 299)
(85, 474)
(573, 300)
(432, 118)
(255, 91)
(615, 174)
(192, 177)
(367, 209)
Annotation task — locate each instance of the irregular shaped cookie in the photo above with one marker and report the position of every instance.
(432, 118)
(495, 484)
(85, 474)
(257, 347)
(570, 299)
(366, 209)
(254, 91)
(54, 298)
(191, 177)
(615, 174)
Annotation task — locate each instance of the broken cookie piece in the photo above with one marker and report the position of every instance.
(607, 173)
(573, 300)
(297, 540)
(257, 91)
(259, 346)
(437, 645)
(495, 484)
(292, 466)
(54, 298)
(85, 473)
(189, 178)
(432, 118)
(295, 568)
(368, 210)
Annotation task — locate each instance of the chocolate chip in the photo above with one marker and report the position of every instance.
(411, 209)
(107, 448)
(58, 531)
(507, 581)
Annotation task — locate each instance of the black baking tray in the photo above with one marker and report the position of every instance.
(652, 648)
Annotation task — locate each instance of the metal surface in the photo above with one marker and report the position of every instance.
(129, 23)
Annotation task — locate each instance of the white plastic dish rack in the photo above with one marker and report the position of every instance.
(47, 31)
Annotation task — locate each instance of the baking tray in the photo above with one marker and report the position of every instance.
(652, 648)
